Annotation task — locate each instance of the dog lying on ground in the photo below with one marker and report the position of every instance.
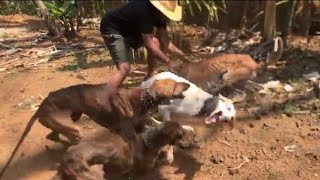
(195, 102)
(228, 69)
(129, 106)
(114, 153)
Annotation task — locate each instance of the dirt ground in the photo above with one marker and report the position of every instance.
(274, 145)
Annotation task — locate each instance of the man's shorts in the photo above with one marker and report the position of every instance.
(119, 47)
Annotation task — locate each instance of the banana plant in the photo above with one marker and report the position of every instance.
(64, 11)
(203, 5)
(61, 10)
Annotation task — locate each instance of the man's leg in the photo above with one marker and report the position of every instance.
(119, 51)
(116, 79)
(151, 65)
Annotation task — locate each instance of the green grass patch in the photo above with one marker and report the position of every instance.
(290, 108)
(296, 80)
(68, 67)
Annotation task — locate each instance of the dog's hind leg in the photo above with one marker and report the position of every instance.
(57, 128)
(53, 135)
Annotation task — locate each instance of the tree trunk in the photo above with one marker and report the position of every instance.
(50, 23)
(92, 9)
(269, 20)
(244, 15)
(307, 16)
(285, 20)
(78, 14)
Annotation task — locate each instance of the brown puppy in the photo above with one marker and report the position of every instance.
(129, 106)
(113, 152)
(229, 69)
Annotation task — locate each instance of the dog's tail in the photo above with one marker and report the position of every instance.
(23, 136)
(273, 49)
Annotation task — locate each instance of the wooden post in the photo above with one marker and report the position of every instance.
(269, 20)
(244, 15)
(285, 20)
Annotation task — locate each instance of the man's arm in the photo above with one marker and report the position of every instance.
(167, 46)
(164, 39)
(154, 48)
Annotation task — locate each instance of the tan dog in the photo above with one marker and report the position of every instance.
(129, 107)
(117, 156)
(226, 69)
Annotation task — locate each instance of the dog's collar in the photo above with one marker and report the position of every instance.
(146, 99)
(149, 137)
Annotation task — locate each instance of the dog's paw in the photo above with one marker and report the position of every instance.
(170, 157)
(155, 121)
(188, 128)
(53, 136)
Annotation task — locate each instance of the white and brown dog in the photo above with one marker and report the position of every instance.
(196, 102)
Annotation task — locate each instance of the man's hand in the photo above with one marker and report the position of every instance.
(171, 65)
(109, 94)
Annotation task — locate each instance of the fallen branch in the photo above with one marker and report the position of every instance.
(6, 46)
(246, 160)
(222, 174)
(139, 72)
(302, 112)
(61, 54)
(10, 61)
(225, 143)
(265, 153)
(10, 51)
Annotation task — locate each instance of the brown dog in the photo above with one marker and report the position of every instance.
(117, 156)
(227, 69)
(129, 106)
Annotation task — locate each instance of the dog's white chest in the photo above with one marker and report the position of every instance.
(191, 104)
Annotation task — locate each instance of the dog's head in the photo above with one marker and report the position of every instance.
(172, 133)
(221, 109)
(167, 89)
(74, 167)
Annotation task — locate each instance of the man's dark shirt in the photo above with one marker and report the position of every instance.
(132, 19)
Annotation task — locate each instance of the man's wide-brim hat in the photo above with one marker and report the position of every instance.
(171, 9)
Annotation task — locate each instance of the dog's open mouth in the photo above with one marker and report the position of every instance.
(213, 118)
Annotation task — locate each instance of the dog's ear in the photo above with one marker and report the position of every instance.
(153, 93)
(179, 88)
(225, 99)
(168, 88)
